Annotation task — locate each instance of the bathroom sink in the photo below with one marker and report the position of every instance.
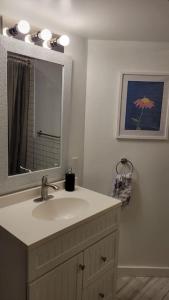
(60, 208)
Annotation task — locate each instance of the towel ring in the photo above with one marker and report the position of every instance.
(125, 161)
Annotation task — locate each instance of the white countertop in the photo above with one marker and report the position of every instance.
(19, 220)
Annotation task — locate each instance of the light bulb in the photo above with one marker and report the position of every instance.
(46, 44)
(28, 39)
(23, 26)
(64, 40)
(45, 35)
(5, 31)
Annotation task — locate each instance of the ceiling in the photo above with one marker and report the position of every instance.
(140, 20)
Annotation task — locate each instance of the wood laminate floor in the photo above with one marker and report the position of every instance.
(143, 288)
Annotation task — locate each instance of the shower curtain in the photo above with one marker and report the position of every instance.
(18, 80)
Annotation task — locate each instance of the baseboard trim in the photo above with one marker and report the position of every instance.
(143, 271)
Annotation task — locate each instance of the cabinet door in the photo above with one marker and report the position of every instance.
(63, 283)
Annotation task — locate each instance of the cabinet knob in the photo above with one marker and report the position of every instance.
(104, 258)
(82, 267)
(101, 295)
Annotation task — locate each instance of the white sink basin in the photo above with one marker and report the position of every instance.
(60, 208)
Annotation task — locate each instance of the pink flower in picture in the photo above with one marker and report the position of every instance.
(144, 103)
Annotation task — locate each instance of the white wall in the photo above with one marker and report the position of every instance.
(144, 224)
(78, 51)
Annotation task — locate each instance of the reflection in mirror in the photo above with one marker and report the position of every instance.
(34, 114)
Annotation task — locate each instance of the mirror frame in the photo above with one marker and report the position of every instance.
(9, 184)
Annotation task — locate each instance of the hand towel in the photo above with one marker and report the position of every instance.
(122, 188)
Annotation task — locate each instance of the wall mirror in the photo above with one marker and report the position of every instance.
(35, 88)
(34, 93)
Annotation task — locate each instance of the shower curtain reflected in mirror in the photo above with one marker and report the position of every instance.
(18, 81)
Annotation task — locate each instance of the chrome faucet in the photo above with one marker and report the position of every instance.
(45, 186)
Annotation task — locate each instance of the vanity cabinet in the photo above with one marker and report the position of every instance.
(88, 275)
(78, 263)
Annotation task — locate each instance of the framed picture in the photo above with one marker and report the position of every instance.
(143, 109)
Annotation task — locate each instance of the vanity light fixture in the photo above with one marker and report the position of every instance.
(41, 37)
(21, 27)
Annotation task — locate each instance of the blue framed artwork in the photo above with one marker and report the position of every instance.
(143, 111)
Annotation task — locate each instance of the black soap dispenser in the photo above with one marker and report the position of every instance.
(69, 181)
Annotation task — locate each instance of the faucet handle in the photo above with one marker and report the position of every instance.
(44, 179)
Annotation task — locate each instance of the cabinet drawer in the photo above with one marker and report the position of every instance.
(99, 257)
(46, 256)
(101, 289)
